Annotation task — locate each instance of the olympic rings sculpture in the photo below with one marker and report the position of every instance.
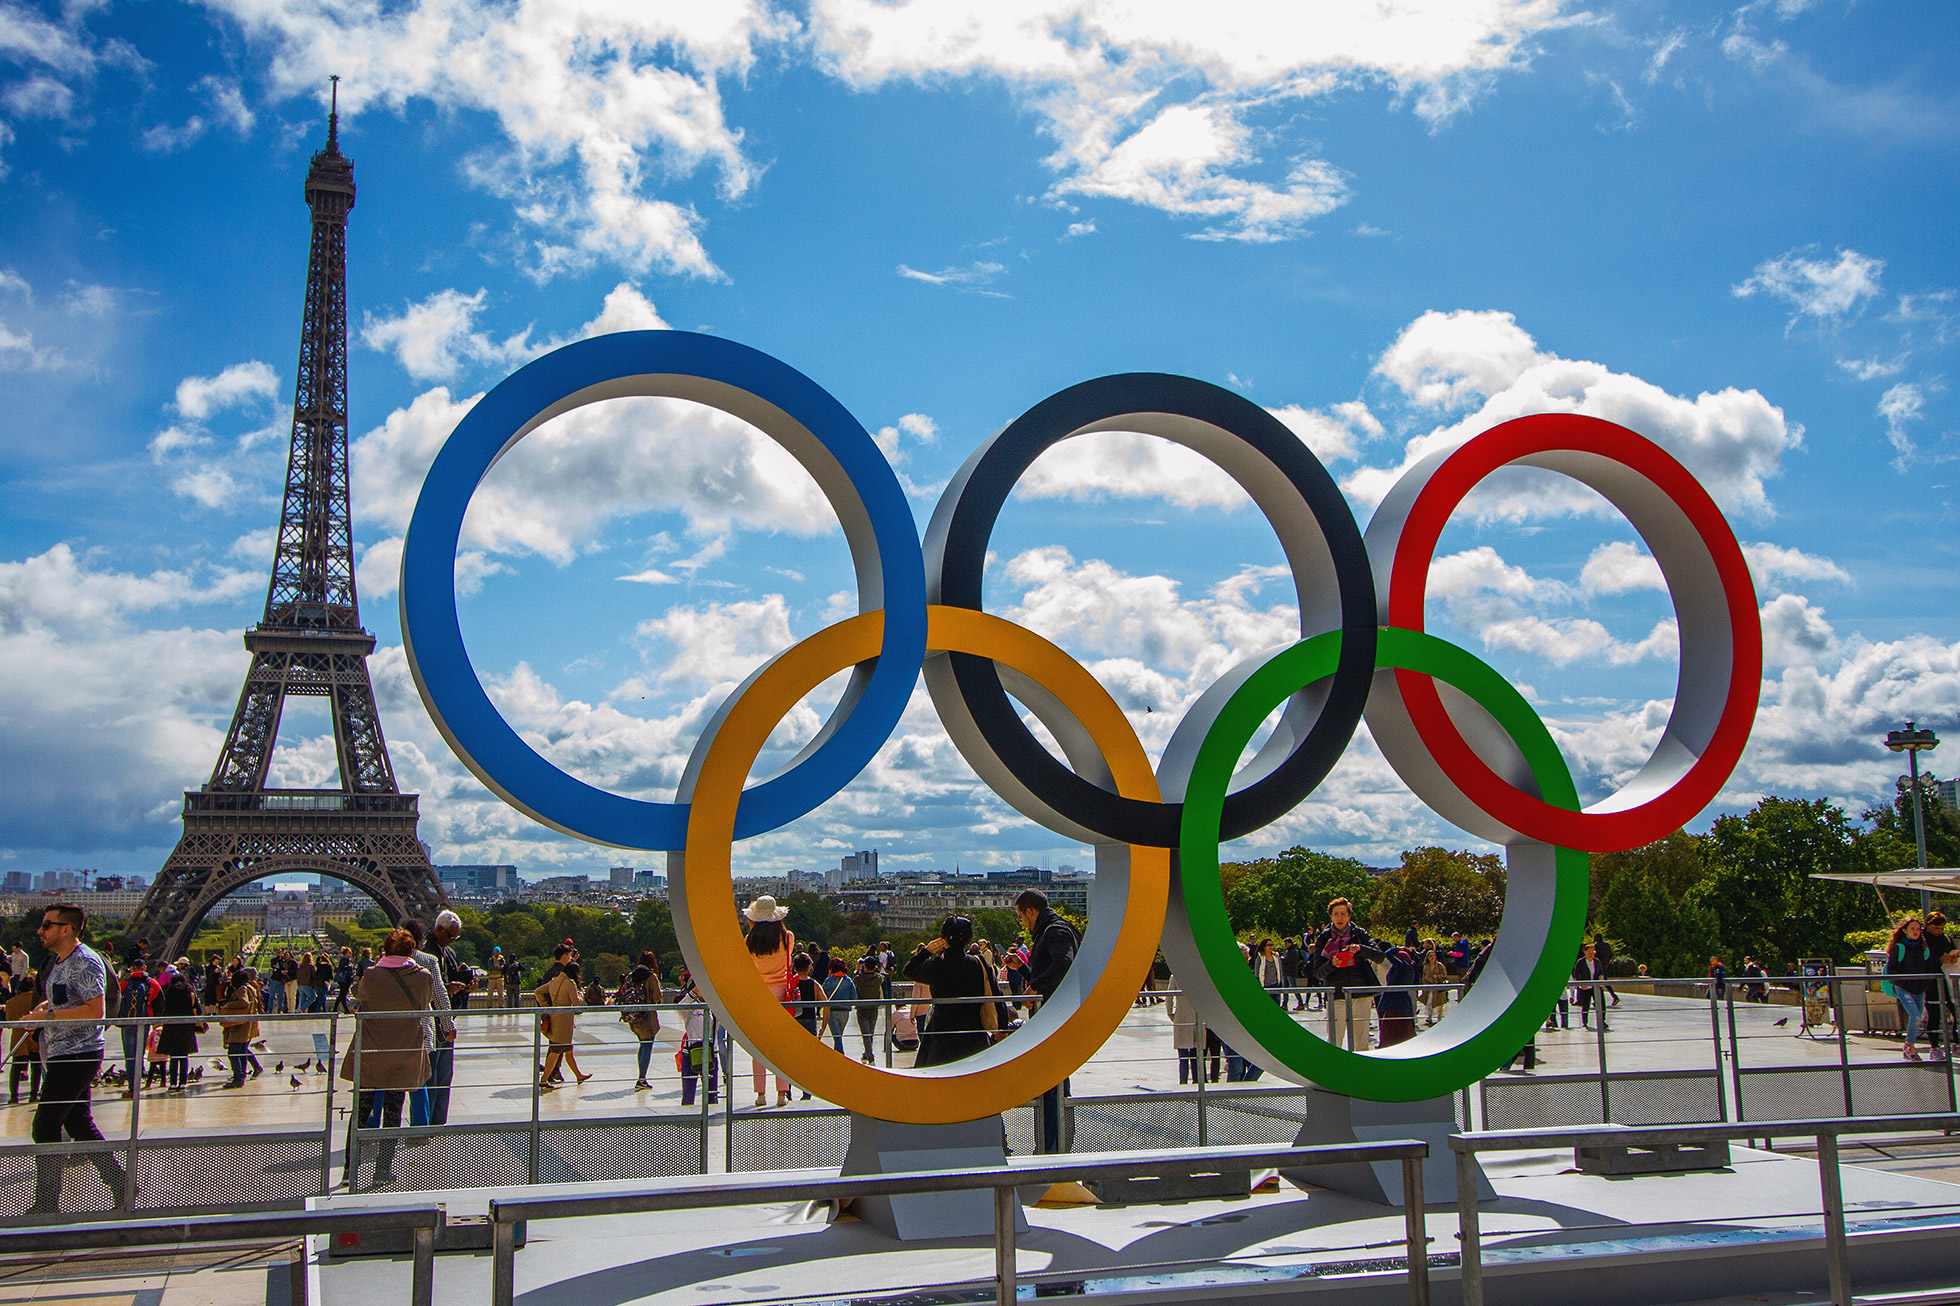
(1460, 737)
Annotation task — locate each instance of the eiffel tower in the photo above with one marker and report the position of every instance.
(236, 830)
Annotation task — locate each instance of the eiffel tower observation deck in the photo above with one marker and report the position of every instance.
(310, 642)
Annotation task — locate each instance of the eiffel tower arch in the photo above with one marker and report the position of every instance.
(310, 643)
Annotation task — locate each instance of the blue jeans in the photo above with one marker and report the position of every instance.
(646, 1057)
(1915, 1009)
(134, 1041)
(308, 995)
(442, 1072)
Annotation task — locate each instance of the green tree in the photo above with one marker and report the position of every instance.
(1653, 905)
(653, 930)
(1942, 823)
(1442, 889)
(1760, 892)
(372, 918)
(1288, 894)
(997, 925)
(519, 934)
(812, 918)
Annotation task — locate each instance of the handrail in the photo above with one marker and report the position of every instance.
(422, 1222)
(1825, 1130)
(736, 1190)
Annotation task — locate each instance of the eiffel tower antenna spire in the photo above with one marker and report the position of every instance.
(310, 642)
(333, 113)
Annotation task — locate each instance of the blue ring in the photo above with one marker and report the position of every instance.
(433, 636)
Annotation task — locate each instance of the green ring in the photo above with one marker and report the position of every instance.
(1395, 1075)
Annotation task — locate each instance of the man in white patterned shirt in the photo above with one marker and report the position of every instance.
(71, 1048)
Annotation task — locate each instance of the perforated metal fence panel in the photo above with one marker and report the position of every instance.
(460, 1156)
(1687, 1099)
(203, 1174)
(1790, 1094)
(1254, 1119)
(82, 1192)
(1902, 1089)
(1134, 1124)
(789, 1140)
(1542, 1103)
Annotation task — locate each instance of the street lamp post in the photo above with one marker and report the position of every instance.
(1912, 741)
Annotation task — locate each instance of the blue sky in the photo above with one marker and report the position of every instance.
(1728, 228)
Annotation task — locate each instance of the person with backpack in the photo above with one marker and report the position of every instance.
(839, 993)
(177, 1039)
(640, 987)
(869, 984)
(1909, 967)
(240, 1004)
(139, 996)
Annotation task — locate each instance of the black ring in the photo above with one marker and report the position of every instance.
(956, 561)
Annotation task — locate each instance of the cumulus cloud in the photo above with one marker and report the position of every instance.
(1163, 106)
(1815, 287)
(434, 338)
(1129, 464)
(1733, 440)
(595, 102)
(554, 492)
(199, 397)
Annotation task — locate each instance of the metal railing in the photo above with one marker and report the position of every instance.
(1826, 1132)
(731, 1190)
(187, 1169)
(421, 1223)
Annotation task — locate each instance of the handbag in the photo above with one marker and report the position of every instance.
(989, 1011)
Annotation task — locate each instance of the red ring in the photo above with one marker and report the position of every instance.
(1422, 530)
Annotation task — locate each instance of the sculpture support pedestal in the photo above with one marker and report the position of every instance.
(1335, 1118)
(882, 1147)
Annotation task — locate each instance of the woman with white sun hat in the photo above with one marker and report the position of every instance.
(771, 945)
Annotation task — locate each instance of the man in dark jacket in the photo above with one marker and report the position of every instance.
(1051, 951)
(1342, 958)
(1052, 942)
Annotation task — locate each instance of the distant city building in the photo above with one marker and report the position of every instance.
(649, 882)
(1949, 792)
(17, 882)
(622, 878)
(479, 880)
(562, 884)
(1025, 875)
(289, 911)
(860, 866)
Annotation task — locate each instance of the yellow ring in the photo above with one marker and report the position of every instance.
(1009, 1073)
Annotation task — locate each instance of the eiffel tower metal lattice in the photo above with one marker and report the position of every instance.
(236, 830)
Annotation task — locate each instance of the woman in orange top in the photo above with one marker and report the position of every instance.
(770, 947)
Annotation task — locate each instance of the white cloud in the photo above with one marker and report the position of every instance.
(970, 277)
(1333, 435)
(1156, 103)
(1872, 369)
(18, 352)
(1901, 405)
(1087, 228)
(13, 283)
(1771, 563)
(1564, 640)
(228, 103)
(595, 102)
(1448, 359)
(1795, 633)
(1733, 441)
(1618, 567)
(1816, 287)
(434, 338)
(199, 397)
(39, 97)
(717, 644)
(165, 139)
(554, 492)
(211, 487)
(56, 591)
(1130, 465)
